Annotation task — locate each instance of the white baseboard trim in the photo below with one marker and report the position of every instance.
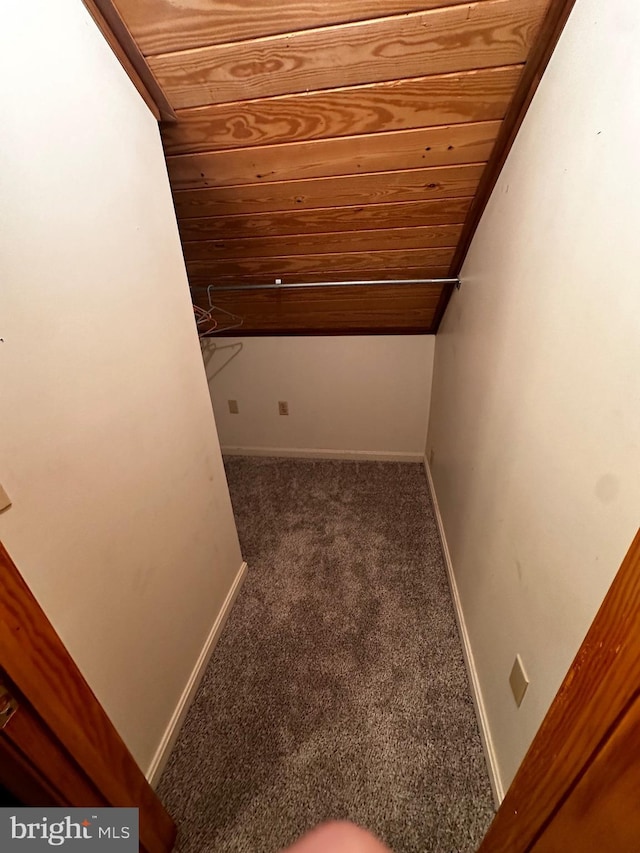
(497, 787)
(319, 453)
(161, 756)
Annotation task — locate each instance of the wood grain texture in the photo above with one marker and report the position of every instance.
(381, 152)
(22, 780)
(31, 738)
(602, 812)
(406, 273)
(307, 118)
(482, 95)
(397, 307)
(306, 244)
(350, 263)
(34, 658)
(329, 219)
(600, 686)
(412, 185)
(165, 26)
(458, 38)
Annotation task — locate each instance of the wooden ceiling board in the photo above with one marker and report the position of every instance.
(336, 140)
(331, 221)
(446, 99)
(403, 308)
(421, 237)
(166, 26)
(370, 274)
(381, 152)
(349, 263)
(410, 185)
(457, 38)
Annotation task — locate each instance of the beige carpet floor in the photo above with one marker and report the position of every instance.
(338, 688)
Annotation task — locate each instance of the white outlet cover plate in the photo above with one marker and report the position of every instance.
(518, 680)
(5, 500)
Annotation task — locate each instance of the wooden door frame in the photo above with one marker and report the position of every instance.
(60, 729)
(601, 685)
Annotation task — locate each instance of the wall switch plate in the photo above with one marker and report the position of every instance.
(5, 500)
(233, 407)
(518, 680)
(283, 407)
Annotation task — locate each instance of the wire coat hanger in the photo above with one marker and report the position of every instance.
(207, 324)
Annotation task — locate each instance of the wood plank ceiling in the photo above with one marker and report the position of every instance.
(336, 140)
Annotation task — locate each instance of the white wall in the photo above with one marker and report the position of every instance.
(348, 396)
(535, 423)
(121, 522)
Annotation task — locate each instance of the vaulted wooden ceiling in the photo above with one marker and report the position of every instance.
(332, 141)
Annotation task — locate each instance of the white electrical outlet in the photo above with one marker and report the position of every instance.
(233, 406)
(283, 407)
(518, 680)
(5, 500)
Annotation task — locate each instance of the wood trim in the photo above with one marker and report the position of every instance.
(545, 43)
(115, 31)
(36, 661)
(602, 811)
(28, 734)
(600, 685)
(20, 778)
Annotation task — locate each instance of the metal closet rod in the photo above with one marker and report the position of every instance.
(275, 286)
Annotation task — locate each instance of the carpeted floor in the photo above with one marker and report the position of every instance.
(338, 688)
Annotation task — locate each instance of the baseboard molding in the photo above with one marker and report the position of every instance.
(159, 760)
(319, 453)
(476, 692)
